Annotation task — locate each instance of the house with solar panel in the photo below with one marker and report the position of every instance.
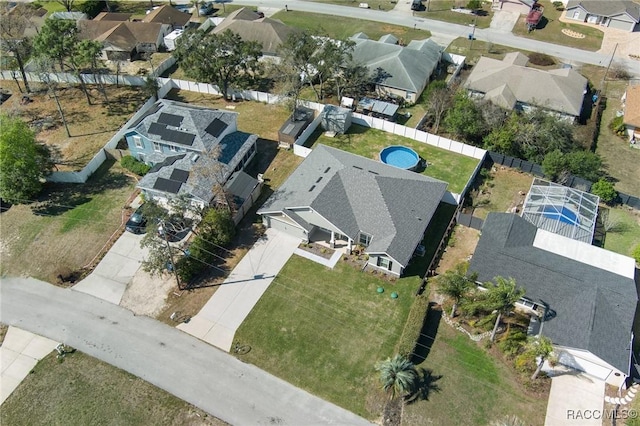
(177, 140)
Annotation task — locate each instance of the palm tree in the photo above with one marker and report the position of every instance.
(456, 284)
(501, 296)
(398, 375)
(541, 347)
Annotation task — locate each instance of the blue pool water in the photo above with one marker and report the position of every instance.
(400, 156)
(563, 214)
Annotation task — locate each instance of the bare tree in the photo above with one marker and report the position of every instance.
(44, 67)
(67, 4)
(12, 38)
(439, 100)
(209, 170)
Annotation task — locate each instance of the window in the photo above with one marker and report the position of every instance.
(364, 239)
(137, 140)
(576, 14)
(384, 263)
(173, 148)
(157, 147)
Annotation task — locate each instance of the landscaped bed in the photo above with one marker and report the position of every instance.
(455, 169)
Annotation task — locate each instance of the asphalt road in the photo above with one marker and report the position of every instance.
(567, 54)
(238, 393)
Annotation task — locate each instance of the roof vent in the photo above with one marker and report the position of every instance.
(356, 167)
(319, 179)
(312, 188)
(327, 169)
(372, 172)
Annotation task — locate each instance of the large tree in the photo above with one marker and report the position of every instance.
(221, 59)
(12, 38)
(464, 119)
(439, 99)
(351, 80)
(398, 375)
(58, 40)
(24, 163)
(456, 284)
(328, 59)
(501, 297)
(296, 67)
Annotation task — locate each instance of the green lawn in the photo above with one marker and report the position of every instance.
(469, 387)
(626, 235)
(550, 30)
(85, 391)
(66, 228)
(441, 11)
(444, 165)
(323, 330)
(373, 4)
(338, 27)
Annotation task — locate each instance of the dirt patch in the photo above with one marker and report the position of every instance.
(3, 332)
(146, 295)
(462, 245)
(504, 190)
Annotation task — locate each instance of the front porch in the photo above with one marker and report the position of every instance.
(332, 240)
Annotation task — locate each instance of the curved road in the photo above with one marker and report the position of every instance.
(567, 54)
(238, 393)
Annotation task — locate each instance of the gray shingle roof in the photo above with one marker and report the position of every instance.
(594, 309)
(357, 194)
(608, 8)
(409, 68)
(195, 121)
(559, 90)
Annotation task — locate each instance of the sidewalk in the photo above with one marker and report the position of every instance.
(19, 353)
(218, 320)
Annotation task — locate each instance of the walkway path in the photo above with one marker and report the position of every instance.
(238, 393)
(329, 263)
(218, 320)
(19, 353)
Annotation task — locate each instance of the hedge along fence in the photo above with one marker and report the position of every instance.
(408, 342)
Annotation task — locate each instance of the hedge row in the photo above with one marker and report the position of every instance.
(134, 166)
(413, 327)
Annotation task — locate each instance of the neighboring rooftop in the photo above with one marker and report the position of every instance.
(168, 15)
(357, 194)
(71, 16)
(509, 81)
(122, 34)
(406, 68)
(590, 306)
(112, 16)
(562, 210)
(632, 106)
(608, 8)
(270, 33)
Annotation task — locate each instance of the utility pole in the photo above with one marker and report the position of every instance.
(173, 265)
(472, 36)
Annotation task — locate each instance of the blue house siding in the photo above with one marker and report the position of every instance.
(141, 147)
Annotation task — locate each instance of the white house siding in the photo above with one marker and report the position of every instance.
(586, 361)
(282, 225)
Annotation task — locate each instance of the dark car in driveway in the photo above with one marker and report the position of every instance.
(137, 223)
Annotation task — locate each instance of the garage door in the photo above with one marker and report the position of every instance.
(577, 363)
(288, 228)
(621, 25)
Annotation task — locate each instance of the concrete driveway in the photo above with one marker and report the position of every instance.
(218, 320)
(576, 399)
(109, 279)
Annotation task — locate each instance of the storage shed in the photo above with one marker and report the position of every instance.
(336, 119)
(294, 126)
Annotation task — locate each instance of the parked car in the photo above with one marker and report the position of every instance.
(137, 223)
(206, 8)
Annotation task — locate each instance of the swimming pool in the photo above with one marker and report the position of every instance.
(562, 214)
(401, 157)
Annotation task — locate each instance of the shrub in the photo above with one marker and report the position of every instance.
(541, 59)
(558, 5)
(474, 4)
(636, 253)
(525, 362)
(512, 341)
(134, 166)
(617, 126)
(413, 325)
(605, 190)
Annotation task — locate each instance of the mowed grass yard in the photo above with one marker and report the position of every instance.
(85, 391)
(91, 126)
(470, 386)
(625, 236)
(550, 30)
(66, 227)
(323, 330)
(339, 27)
(456, 169)
(441, 11)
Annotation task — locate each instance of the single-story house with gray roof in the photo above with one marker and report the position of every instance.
(348, 199)
(402, 71)
(620, 14)
(585, 297)
(509, 83)
(174, 137)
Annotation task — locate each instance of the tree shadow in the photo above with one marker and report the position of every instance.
(428, 334)
(425, 386)
(58, 198)
(542, 24)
